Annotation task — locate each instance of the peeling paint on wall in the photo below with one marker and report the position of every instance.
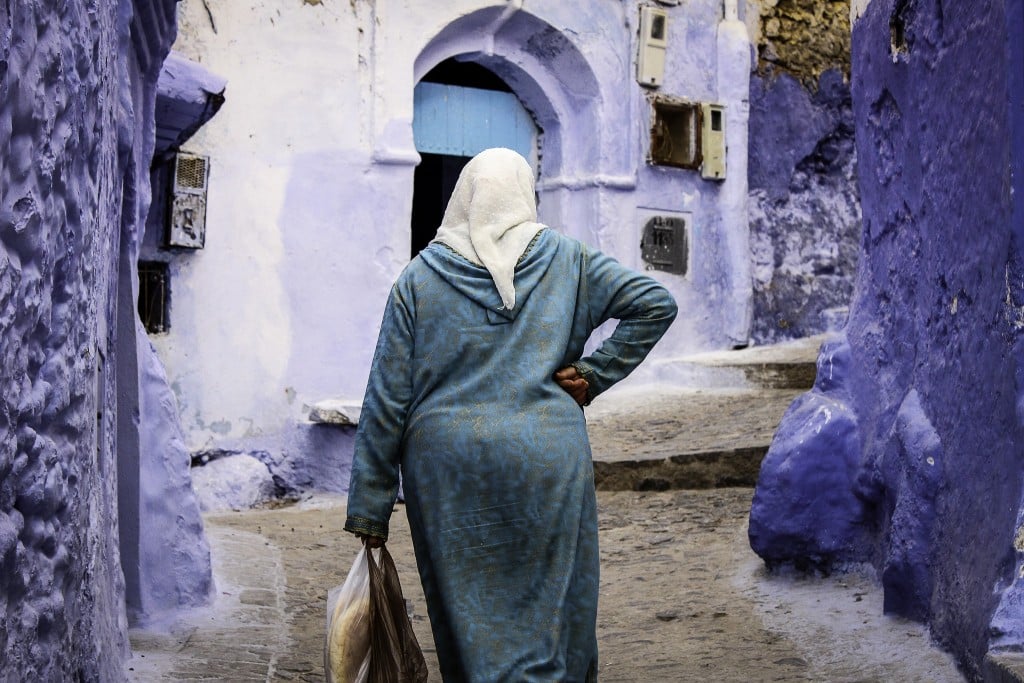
(804, 203)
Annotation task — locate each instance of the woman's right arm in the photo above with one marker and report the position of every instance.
(373, 486)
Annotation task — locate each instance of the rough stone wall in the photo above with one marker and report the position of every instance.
(804, 208)
(66, 139)
(909, 450)
(804, 38)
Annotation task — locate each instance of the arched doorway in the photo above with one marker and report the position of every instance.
(460, 109)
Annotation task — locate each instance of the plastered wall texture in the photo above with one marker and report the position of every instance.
(908, 452)
(60, 584)
(76, 84)
(311, 186)
(165, 557)
(804, 207)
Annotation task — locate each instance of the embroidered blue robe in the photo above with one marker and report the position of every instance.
(494, 456)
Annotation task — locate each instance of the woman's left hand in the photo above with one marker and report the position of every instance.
(370, 541)
(570, 380)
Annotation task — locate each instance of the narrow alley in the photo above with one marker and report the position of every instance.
(683, 598)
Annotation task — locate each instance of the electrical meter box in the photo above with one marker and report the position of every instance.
(712, 141)
(650, 61)
(186, 225)
(665, 240)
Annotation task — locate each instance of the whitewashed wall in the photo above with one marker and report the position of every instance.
(312, 176)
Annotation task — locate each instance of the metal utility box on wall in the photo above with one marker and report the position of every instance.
(675, 133)
(186, 224)
(665, 240)
(650, 60)
(712, 141)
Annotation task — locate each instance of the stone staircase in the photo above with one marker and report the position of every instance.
(707, 424)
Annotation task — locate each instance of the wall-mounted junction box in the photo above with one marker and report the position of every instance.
(186, 226)
(675, 133)
(665, 240)
(712, 141)
(650, 61)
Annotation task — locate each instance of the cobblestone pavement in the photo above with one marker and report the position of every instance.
(682, 599)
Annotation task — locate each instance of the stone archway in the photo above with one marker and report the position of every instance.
(557, 85)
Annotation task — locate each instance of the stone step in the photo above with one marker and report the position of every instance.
(789, 365)
(655, 439)
(699, 470)
(1003, 667)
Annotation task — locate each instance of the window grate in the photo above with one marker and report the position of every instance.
(154, 296)
(191, 172)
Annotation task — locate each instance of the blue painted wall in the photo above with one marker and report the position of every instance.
(77, 85)
(804, 206)
(910, 450)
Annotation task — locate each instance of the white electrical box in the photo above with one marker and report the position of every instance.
(650, 62)
(712, 141)
(186, 225)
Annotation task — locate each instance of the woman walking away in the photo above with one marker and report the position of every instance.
(475, 395)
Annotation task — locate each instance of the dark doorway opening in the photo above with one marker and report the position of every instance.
(466, 74)
(433, 184)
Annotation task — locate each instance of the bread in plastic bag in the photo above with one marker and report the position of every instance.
(347, 643)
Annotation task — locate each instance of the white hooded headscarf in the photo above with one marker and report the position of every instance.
(492, 215)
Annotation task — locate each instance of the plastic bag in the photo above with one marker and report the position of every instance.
(347, 645)
(395, 655)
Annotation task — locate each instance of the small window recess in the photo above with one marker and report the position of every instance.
(676, 133)
(898, 39)
(154, 296)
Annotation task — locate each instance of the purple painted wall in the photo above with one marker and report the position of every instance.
(165, 557)
(908, 453)
(77, 82)
(804, 207)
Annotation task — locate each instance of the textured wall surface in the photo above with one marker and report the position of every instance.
(804, 208)
(165, 557)
(930, 376)
(71, 139)
(61, 121)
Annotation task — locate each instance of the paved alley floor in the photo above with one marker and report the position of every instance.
(682, 599)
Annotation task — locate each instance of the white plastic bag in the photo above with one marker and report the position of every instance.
(347, 645)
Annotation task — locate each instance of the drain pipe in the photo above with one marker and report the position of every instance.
(734, 92)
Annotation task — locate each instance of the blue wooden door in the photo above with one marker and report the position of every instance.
(459, 121)
(451, 124)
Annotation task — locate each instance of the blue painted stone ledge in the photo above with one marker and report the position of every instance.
(805, 510)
